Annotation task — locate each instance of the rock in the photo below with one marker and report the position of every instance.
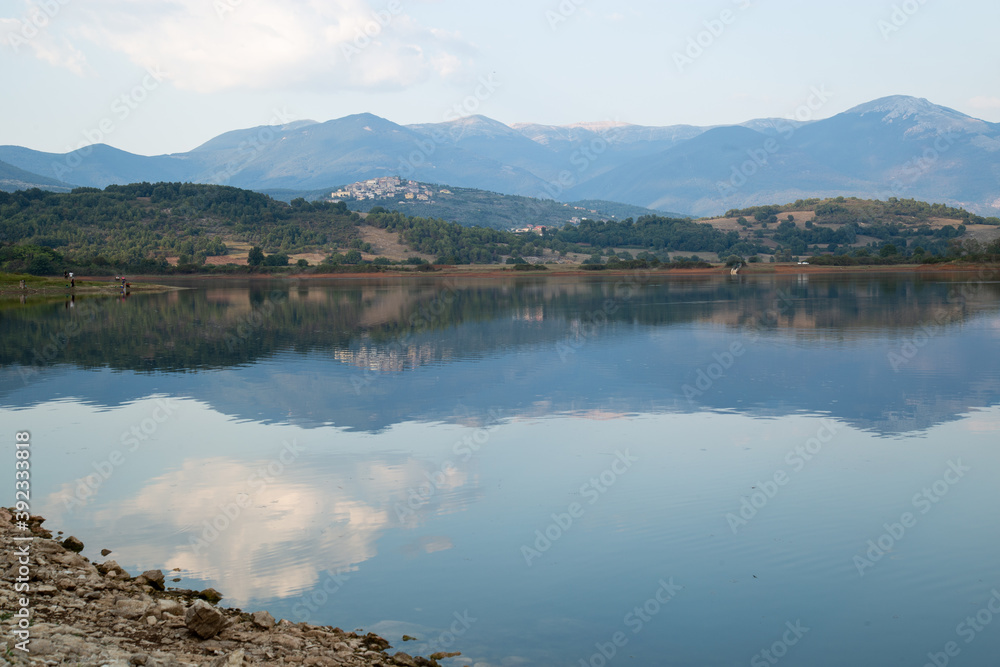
(211, 595)
(105, 552)
(404, 659)
(130, 609)
(262, 619)
(291, 643)
(172, 607)
(154, 578)
(442, 655)
(234, 659)
(110, 566)
(321, 661)
(138, 659)
(204, 620)
(43, 647)
(73, 544)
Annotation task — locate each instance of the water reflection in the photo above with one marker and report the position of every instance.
(892, 354)
(381, 454)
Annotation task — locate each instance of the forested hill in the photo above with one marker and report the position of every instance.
(479, 208)
(850, 225)
(136, 228)
(140, 225)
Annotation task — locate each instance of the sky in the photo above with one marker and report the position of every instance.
(158, 76)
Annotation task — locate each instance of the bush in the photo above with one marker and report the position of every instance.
(256, 256)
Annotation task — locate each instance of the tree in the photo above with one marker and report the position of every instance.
(256, 256)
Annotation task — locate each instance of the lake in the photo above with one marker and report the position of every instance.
(542, 471)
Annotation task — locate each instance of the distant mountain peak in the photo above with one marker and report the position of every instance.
(904, 106)
(593, 126)
(482, 123)
(598, 126)
(921, 116)
(476, 119)
(475, 125)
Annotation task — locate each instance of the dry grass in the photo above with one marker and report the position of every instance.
(386, 244)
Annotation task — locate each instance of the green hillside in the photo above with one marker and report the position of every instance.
(136, 228)
(841, 226)
(479, 208)
(140, 225)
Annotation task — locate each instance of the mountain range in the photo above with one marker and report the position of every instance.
(896, 146)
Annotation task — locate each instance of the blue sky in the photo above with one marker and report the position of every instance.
(153, 76)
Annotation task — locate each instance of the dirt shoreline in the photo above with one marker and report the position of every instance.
(475, 271)
(84, 287)
(66, 610)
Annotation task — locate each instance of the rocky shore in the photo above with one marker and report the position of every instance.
(66, 610)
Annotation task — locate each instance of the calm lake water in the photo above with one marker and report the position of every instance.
(726, 471)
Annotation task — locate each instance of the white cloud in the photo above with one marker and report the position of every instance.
(235, 525)
(242, 553)
(22, 36)
(212, 45)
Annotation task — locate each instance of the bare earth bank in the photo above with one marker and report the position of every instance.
(66, 610)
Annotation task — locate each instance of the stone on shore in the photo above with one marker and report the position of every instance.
(262, 620)
(154, 578)
(112, 568)
(210, 595)
(234, 659)
(204, 620)
(73, 544)
(87, 614)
